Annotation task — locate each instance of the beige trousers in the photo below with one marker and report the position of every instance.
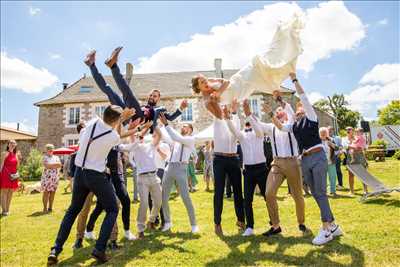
(281, 168)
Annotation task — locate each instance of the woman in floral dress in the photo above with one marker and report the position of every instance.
(50, 178)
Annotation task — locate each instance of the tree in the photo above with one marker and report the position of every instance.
(338, 106)
(390, 115)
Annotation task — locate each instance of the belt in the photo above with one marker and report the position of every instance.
(144, 173)
(254, 166)
(230, 155)
(290, 157)
(312, 151)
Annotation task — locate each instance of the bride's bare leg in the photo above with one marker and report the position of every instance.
(215, 109)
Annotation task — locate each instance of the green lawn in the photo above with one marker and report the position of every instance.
(372, 236)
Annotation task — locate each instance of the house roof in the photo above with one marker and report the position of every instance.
(9, 133)
(172, 84)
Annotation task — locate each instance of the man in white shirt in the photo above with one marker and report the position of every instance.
(96, 141)
(226, 164)
(284, 165)
(182, 146)
(148, 182)
(255, 168)
(314, 163)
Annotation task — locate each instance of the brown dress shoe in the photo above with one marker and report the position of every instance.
(218, 230)
(90, 58)
(141, 235)
(151, 226)
(100, 256)
(114, 57)
(241, 225)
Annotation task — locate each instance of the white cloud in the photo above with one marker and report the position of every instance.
(55, 56)
(33, 11)
(86, 46)
(23, 126)
(384, 21)
(314, 97)
(376, 89)
(20, 75)
(237, 42)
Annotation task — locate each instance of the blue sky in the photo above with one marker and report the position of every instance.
(350, 48)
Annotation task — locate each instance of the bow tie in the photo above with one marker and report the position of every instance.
(247, 130)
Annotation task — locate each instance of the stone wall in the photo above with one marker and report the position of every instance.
(52, 118)
(24, 146)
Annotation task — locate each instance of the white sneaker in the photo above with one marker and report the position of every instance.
(195, 229)
(336, 230)
(324, 236)
(90, 235)
(166, 227)
(129, 236)
(249, 231)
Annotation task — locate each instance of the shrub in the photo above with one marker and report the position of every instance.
(380, 142)
(396, 155)
(32, 168)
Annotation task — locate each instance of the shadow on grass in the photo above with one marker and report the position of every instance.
(38, 213)
(384, 201)
(129, 251)
(317, 256)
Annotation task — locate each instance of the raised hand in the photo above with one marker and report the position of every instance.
(163, 119)
(246, 108)
(226, 112)
(292, 76)
(134, 124)
(127, 113)
(184, 104)
(234, 105)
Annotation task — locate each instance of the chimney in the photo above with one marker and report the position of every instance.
(218, 67)
(65, 85)
(129, 72)
(17, 126)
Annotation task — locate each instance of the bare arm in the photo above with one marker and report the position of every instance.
(308, 108)
(3, 157)
(224, 85)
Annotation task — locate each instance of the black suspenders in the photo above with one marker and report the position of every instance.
(181, 154)
(290, 141)
(91, 139)
(273, 137)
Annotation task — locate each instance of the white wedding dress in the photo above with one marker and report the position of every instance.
(266, 72)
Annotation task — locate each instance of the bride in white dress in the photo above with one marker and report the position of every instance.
(264, 73)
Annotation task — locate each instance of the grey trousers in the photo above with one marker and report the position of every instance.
(177, 171)
(135, 186)
(148, 183)
(315, 168)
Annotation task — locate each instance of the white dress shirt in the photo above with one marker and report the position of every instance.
(144, 155)
(160, 162)
(182, 146)
(281, 142)
(252, 145)
(99, 148)
(224, 140)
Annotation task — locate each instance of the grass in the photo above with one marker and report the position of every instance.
(372, 236)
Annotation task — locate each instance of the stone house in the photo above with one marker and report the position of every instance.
(82, 100)
(25, 141)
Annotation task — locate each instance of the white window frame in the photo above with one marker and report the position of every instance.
(257, 98)
(93, 107)
(66, 116)
(67, 137)
(191, 102)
